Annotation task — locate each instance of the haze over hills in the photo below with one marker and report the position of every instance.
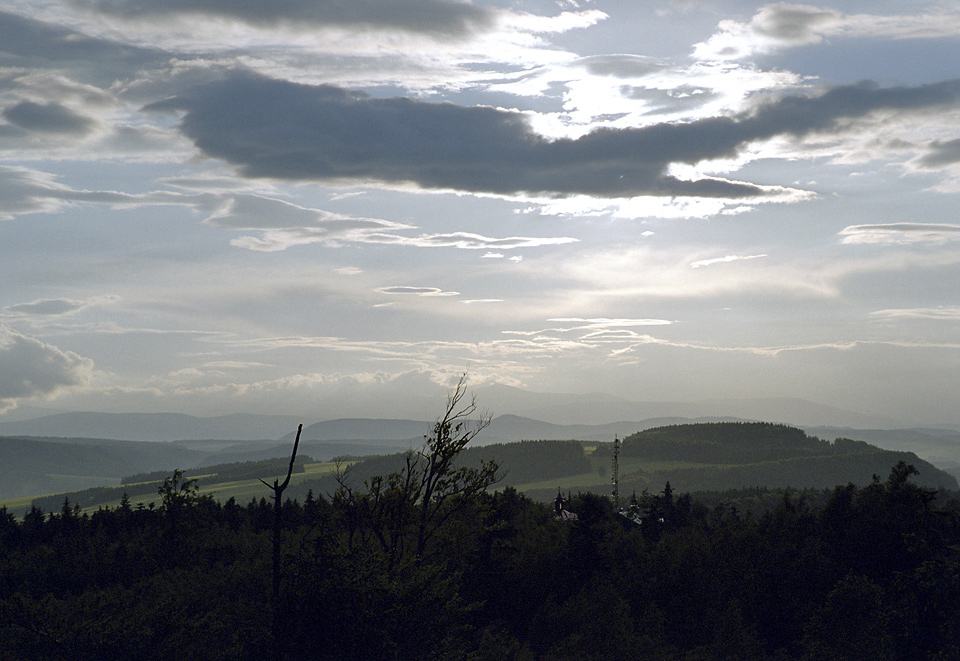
(152, 426)
(559, 409)
(599, 408)
(520, 415)
(33, 466)
(502, 429)
(939, 446)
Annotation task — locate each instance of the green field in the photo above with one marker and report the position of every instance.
(598, 480)
(727, 456)
(242, 490)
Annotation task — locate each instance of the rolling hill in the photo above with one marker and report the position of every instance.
(691, 455)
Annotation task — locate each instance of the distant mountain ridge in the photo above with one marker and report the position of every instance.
(571, 411)
(502, 429)
(31, 466)
(34, 466)
(600, 408)
(152, 426)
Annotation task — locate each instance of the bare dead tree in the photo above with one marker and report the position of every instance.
(440, 482)
(402, 512)
(278, 488)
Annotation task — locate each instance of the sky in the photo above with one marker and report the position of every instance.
(336, 208)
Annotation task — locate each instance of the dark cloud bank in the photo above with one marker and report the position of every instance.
(440, 17)
(29, 42)
(285, 130)
(47, 118)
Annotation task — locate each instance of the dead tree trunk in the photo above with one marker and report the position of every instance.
(278, 489)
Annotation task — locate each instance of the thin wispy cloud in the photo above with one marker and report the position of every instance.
(57, 306)
(609, 323)
(280, 224)
(416, 291)
(470, 241)
(900, 233)
(941, 313)
(700, 263)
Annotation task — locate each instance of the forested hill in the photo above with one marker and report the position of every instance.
(725, 443)
(733, 454)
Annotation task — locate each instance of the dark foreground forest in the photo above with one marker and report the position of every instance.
(428, 563)
(873, 573)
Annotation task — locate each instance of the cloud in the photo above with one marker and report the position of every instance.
(416, 291)
(435, 17)
(282, 130)
(280, 224)
(30, 368)
(283, 225)
(784, 25)
(722, 260)
(28, 42)
(610, 323)
(47, 118)
(900, 233)
(29, 191)
(944, 313)
(773, 26)
(599, 328)
(621, 65)
(940, 154)
(471, 241)
(56, 306)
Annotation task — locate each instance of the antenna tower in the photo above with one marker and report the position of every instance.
(616, 473)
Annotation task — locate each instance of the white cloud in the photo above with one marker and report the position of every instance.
(941, 313)
(416, 291)
(900, 233)
(57, 306)
(280, 224)
(784, 25)
(471, 241)
(722, 260)
(29, 368)
(609, 323)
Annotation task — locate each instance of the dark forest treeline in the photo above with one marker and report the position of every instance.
(869, 572)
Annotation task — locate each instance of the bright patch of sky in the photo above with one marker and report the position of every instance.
(212, 207)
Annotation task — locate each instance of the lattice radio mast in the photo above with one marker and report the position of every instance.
(616, 473)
